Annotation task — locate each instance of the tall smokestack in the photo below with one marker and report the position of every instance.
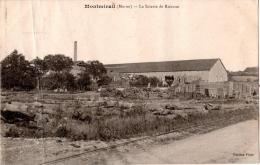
(75, 50)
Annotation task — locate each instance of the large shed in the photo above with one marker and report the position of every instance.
(207, 70)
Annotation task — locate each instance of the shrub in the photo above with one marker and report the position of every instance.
(143, 81)
(96, 69)
(154, 81)
(104, 80)
(62, 131)
(169, 80)
(139, 81)
(84, 81)
(108, 92)
(13, 132)
(60, 80)
(68, 81)
(137, 110)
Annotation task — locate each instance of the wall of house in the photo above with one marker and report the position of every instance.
(218, 73)
(245, 78)
(215, 89)
(189, 75)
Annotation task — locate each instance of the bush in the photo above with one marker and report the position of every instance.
(139, 81)
(13, 131)
(143, 81)
(108, 92)
(154, 81)
(104, 80)
(57, 80)
(62, 131)
(169, 80)
(84, 81)
(69, 81)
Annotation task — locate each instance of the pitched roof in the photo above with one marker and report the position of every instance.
(165, 66)
(251, 69)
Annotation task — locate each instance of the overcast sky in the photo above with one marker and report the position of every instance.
(225, 29)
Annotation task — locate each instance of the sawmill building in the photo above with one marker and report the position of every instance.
(206, 70)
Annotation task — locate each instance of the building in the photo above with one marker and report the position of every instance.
(206, 70)
(250, 74)
(252, 70)
(77, 68)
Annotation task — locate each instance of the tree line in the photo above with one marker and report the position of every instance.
(51, 72)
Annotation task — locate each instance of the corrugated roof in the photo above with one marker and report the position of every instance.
(165, 66)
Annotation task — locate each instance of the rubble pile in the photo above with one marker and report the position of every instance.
(110, 92)
(143, 93)
(130, 93)
(30, 117)
(209, 106)
(136, 93)
(176, 110)
(119, 112)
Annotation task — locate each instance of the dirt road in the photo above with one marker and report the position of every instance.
(233, 144)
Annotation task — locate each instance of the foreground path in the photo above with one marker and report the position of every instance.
(233, 144)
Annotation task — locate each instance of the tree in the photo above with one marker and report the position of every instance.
(84, 81)
(58, 62)
(96, 69)
(59, 80)
(16, 72)
(40, 67)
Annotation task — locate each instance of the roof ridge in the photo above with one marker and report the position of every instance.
(164, 66)
(164, 61)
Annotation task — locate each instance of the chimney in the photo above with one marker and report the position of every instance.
(75, 50)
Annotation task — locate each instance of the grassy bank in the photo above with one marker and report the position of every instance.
(120, 123)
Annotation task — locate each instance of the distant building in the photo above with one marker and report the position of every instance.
(250, 74)
(251, 70)
(207, 70)
(77, 68)
(244, 78)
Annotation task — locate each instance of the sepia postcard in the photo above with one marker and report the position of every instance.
(115, 82)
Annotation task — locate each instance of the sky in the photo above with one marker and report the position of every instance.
(200, 29)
